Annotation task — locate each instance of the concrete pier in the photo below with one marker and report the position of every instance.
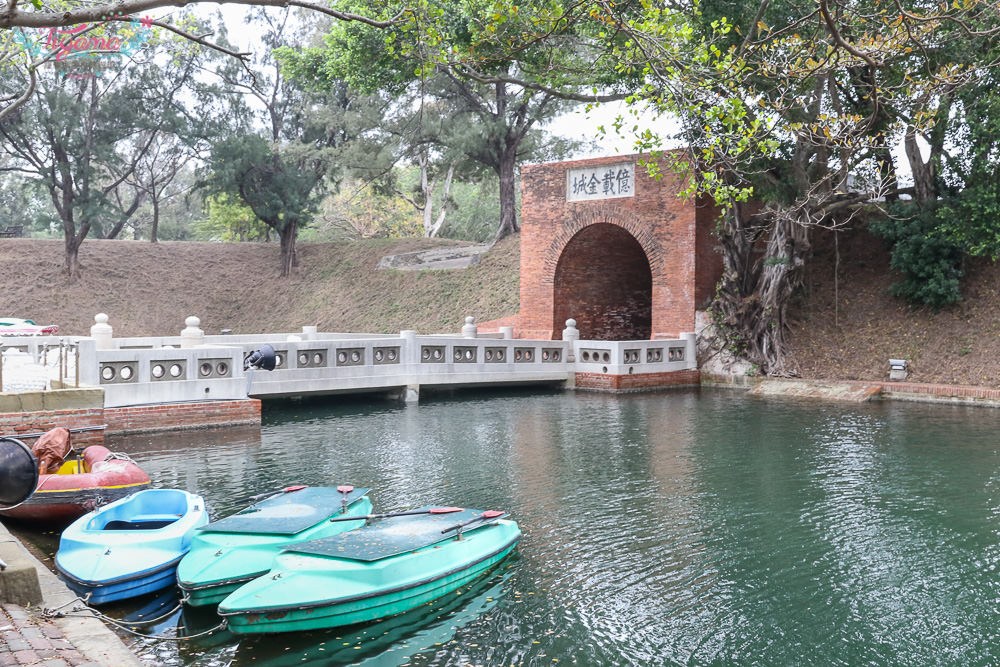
(29, 637)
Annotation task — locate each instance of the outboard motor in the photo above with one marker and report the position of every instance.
(18, 472)
(263, 359)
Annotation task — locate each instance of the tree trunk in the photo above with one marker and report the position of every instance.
(156, 219)
(508, 195)
(750, 311)
(71, 263)
(436, 226)
(287, 235)
(924, 178)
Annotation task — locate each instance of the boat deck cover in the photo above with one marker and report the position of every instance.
(387, 537)
(287, 513)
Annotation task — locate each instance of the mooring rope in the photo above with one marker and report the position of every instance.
(125, 627)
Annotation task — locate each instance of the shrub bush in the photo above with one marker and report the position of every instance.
(932, 266)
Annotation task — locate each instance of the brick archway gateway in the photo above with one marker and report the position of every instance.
(605, 244)
(619, 309)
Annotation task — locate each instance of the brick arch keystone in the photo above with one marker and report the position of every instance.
(611, 215)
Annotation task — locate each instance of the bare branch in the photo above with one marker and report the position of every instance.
(23, 98)
(16, 18)
(195, 38)
(468, 71)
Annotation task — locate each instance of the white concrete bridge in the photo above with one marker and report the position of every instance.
(198, 367)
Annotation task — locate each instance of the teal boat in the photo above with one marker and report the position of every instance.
(395, 563)
(228, 553)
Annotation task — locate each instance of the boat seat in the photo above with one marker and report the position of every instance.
(143, 522)
(156, 517)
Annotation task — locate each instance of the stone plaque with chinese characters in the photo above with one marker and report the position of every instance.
(609, 181)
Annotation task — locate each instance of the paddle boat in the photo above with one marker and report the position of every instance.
(228, 553)
(95, 478)
(395, 563)
(131, 546)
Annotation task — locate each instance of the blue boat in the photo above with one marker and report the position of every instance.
(129, 547)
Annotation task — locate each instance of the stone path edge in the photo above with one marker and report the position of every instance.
(30, 639)
(875, 390)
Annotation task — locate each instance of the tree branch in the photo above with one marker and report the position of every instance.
(16, 18)
(24, 97)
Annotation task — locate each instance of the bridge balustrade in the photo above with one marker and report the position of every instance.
(156, 370)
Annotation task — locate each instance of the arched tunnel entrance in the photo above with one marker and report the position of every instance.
(603, 280)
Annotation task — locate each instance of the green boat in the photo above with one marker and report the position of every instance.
(394, 564)
(228, 553)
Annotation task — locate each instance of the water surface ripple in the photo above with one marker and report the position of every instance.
(682, 528)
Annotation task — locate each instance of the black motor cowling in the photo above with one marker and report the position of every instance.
(18, 472)
(263, 359)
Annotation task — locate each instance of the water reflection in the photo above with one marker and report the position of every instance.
(388, 643)
(673, 528)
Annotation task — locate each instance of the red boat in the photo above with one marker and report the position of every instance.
(95, 478)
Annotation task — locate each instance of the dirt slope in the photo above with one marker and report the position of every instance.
(844, 329)
(149, 289)
(850, 327)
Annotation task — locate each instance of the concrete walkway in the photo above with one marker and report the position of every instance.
(27, 637)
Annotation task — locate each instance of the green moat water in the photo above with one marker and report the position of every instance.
(687, 528)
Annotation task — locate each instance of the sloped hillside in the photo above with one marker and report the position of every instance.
(149, 289)
(846, 327)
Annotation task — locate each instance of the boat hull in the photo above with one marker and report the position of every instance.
(130, 547)
(285, 599)
(102, 592)
(219, 562)
(79, 487)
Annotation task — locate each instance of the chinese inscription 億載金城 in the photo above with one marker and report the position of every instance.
(608, 181)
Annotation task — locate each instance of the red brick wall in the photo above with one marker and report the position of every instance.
(566, 267)
(20, 423)
(708, 256)
(136, 419)
(148, 418)
(644, 381)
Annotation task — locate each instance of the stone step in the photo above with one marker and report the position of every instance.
(857, 392)
(450, 257)
(18, 579)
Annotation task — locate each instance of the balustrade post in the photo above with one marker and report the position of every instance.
(470, 330)
(571, 334)
(508, 332)
(410, 354)
(192, 336)
(102, 332)
(691, 353)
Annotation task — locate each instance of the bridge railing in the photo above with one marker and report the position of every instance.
(636, 356)
(196, 367)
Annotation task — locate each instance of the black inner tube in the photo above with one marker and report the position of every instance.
(18, 472)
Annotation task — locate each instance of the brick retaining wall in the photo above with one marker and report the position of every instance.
(177, 416)
(37, 412)
(20, 423)
(642, 382)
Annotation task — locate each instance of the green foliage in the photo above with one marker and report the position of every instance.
(29, 205)
(228, 219)
(473, 216)
(930, 263)
(432, 62)
(278, 188)
(969, 212)
(361, 212)
(969, 219)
